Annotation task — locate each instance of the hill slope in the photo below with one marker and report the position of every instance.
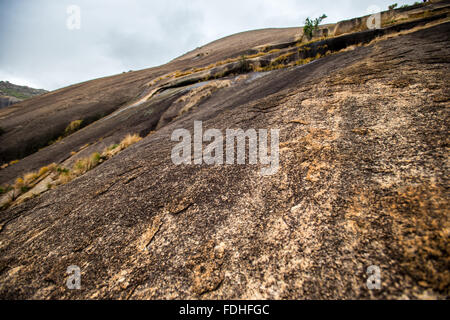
(11, 93)
(363, 176)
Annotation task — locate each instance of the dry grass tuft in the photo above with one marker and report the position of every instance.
(65, 176)
(72, 127)
(30, 177)
(43, 171)
(129, 140)
(85, 164)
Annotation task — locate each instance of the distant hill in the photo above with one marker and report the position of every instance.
(11, 93)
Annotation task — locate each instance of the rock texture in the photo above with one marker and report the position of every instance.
(363, 181)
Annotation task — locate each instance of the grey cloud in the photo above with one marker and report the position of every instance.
(116, 36)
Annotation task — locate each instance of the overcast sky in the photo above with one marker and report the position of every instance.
(39, 50)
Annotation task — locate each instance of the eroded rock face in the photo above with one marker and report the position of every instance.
(6, 101)
(363, 181)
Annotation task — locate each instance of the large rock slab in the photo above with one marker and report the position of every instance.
(363, 181)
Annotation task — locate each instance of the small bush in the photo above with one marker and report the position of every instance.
(311, 25)
(393, 6)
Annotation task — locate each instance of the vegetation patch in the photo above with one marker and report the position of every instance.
(393, 6)
(312, 25)
(84, 165)
(73, 127)
(61, 175)
(24, 184)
